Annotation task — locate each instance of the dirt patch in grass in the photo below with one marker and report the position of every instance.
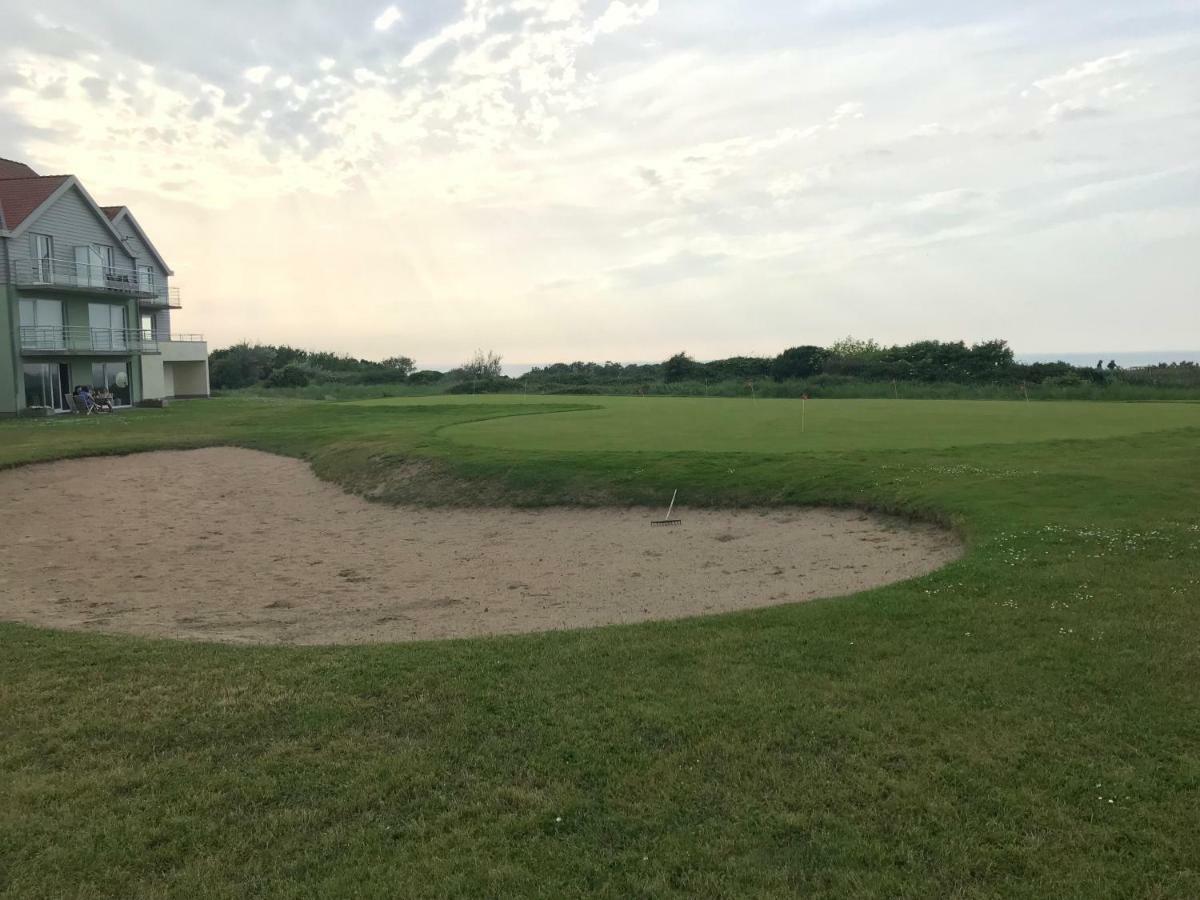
(234, 545)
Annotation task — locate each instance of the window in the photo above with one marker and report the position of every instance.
(147, 327)
(146, 278)
(42, 386)
(43, 258)
(115, 377)
(89, 266)
(41, 323)
(107, 258)
(107, 322)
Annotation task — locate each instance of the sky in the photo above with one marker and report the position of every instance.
(624, 179)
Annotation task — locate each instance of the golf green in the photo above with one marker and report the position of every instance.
(784, 426)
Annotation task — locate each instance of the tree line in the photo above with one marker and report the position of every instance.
(845, 362)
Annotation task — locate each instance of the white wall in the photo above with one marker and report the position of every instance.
(153, 386)
(188, 379)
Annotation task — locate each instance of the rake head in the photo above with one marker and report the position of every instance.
(667, 520)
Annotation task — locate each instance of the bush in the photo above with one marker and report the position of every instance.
(240, 366)
(425, 376)
(483, 386)
(481, 365)
(679, 368)
(798, 362)
(290, 376)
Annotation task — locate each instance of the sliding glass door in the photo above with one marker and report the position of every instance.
(108, 323)
(43, 258)
(43, 385)
(115, 377)
(41, 324)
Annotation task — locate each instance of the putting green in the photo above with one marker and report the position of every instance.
(775, 426)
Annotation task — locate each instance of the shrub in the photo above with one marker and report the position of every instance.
(798, 362)
(679, 367)
(481, 365)
(289, 376)
(425, 376)
(483, 386)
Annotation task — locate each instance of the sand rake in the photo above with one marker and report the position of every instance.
(667, 520)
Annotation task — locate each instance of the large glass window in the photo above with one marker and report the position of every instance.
(89, 266)
(43, 258)
(107, 259)
(41, 323)
(115, 377)
(108, 323)
(42, 387)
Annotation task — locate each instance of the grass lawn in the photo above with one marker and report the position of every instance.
(1022, 724)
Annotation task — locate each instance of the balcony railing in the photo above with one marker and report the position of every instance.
(81, 339)
(124, 280)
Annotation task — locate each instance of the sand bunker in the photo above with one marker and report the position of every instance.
(239, 546)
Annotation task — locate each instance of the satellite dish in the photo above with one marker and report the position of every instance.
(122, 380)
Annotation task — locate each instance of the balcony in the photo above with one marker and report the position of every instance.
(183, 348)
(65, 275)
(79, 339)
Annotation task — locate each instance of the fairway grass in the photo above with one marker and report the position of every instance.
(780, 426)
(1024, 723)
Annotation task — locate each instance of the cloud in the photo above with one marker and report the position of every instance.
(621, 15)
(1073, 110)
(1085, 72)
(257, 74)
(808, 164)
(386, 19)
(96, 88)
(649, 176)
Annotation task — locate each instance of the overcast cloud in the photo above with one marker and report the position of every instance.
(621, 179)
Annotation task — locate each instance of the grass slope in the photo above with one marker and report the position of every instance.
(1024, 723)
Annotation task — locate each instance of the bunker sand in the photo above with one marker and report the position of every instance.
(238, 546)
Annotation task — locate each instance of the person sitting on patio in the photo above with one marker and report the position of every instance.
(83, 394)
(103, 399)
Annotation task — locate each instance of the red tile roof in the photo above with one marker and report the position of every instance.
(21, 196)
(10, 168)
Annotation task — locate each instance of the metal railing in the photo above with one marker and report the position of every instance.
(166, 298)
(66, 273)
(182, 338)
(82, 339)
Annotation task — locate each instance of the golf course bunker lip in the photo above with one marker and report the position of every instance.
(232, 545)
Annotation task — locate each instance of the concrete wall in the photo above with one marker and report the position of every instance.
(184, 351)
(179, 370)
(153, 378)
(185, 368)
(188, 379)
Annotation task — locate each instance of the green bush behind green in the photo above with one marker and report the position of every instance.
(847, 369)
